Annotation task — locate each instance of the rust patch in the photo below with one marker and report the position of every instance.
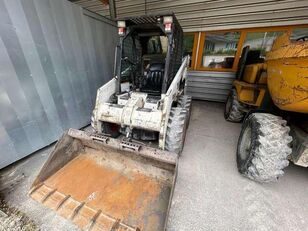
(122, 193)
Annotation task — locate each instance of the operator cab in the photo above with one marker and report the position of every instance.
(143, 59)
(144, 45)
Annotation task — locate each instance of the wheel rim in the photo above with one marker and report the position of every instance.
(245, 145)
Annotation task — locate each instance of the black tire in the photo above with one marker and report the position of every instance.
(185, 102)
(176, 130)
(234, 110)
(263, 147)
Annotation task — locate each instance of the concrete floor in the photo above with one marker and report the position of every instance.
(209, 193)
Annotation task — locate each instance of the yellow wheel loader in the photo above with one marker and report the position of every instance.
(121, 176)
(271, 96)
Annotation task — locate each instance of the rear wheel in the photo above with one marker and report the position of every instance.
(263, 147)
(234, 110)
(176, 130)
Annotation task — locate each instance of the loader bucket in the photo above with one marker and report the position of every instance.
(100, 183)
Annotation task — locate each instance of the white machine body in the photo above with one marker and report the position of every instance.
(137, 109)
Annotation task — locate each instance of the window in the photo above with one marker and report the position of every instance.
(219, 49)
(131, 54)
(299, 34)
(188, 45)
(164, 43)
(154, 45)
(128, 56)
(157, 45)
(262, 41)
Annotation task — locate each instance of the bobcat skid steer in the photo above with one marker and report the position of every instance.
(106, 180)
(145, 100)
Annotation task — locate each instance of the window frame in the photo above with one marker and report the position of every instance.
(199, 40)
(201, 47)
(194, 50)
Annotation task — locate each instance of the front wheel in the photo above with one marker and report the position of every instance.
(176, 130)
(263, 147)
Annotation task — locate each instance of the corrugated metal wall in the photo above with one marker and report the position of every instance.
(212, 86)
(200, 15)
(53, 58)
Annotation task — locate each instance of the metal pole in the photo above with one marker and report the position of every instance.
(112, 9)
(119, 65)
(167, 65)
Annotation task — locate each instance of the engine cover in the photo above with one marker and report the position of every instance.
(135, 110)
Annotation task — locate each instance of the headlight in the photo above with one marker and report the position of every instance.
(121, 27)
(168, 20)
(122, 24)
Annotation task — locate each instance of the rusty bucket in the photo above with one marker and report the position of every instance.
(100, 183)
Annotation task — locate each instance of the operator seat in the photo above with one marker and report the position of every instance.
(153, 80)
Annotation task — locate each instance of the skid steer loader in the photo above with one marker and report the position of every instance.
(106, 179)
(145, 100)
(271, 96)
